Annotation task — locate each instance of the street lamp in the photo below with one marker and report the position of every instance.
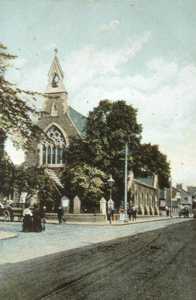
(110, 184)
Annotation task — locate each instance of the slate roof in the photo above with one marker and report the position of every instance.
(78, 119)
(149, 180)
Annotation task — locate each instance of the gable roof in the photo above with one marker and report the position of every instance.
(149, 180)
(79, 120)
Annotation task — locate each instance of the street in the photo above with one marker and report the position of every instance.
(58, 238)
(159, 264)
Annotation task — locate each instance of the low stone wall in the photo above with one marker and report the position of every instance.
(78, 217)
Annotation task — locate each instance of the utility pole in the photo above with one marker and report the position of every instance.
(126, 177)
(170, 197)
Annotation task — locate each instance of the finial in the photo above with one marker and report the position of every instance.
(55, 51)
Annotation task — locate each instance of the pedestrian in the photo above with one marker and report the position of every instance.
(27, 225)
(60, 213)
(37, 225)
(110, 214)
(134, 213)
(43, 218)
(167, 211)
(129, 212)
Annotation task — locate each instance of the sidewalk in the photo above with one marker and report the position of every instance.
(140, 219)
(4, 235)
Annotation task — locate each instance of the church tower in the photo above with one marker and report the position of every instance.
(57, 102)
(60, 122)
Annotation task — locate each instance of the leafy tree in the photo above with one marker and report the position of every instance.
(150, 160)
(7, 171)
(85, 181)
(109, 127)
(16, 113)
(33, 179)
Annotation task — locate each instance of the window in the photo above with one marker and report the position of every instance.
(55, 80)
(53, 153)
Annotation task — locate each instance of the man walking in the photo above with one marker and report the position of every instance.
(60, 213)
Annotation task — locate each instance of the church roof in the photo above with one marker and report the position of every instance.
(149, 180)
(78, 119)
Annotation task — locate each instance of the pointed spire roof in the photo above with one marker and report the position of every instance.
(55, 77)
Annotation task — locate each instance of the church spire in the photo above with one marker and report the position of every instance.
(55, 77)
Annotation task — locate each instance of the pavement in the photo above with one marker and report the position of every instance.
(8, 235)
(140, 219)
(4, 235)
(57, 238)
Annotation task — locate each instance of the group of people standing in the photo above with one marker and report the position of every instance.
(34, 219)
(132, 213)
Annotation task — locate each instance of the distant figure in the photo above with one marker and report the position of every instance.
(129, 212)
(27, 220)
(37, 226)
(110, 214)
(167, 211)
(43, 218)
(134, 213)
(60, 213)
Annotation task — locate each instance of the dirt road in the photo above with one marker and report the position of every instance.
(155, 265)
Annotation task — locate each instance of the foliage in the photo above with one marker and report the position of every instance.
(15, 113)
(109, 127)
(150, 160)
(33, 179)
(7, 171)
(87, 182)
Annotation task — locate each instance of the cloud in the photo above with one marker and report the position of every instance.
(165, 98)
(90, 63)
(164, 94)
(111, 26)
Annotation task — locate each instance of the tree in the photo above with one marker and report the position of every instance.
(15, 114)
(109, 127)
(7, 171)
(34, 180)
(85, 181)
(150, 161)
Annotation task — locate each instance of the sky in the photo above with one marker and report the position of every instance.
(140, 51)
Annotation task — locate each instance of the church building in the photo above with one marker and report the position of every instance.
(59, 121)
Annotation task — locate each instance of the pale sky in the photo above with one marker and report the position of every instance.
(140, 51)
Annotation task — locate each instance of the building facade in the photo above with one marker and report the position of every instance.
(58, 120)
(143, 193)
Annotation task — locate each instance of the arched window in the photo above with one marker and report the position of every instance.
(55, 80)
(53, 153)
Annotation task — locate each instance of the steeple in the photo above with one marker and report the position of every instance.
(55, 77)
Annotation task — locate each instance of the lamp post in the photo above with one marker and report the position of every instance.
(110, 184)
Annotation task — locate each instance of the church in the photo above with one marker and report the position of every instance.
(59, 121)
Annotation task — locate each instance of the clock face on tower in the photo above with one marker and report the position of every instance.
(55, 80)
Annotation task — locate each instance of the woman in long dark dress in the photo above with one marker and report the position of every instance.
(27, 225)
(37, 225)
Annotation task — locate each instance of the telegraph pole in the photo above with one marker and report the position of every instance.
(126, 178)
